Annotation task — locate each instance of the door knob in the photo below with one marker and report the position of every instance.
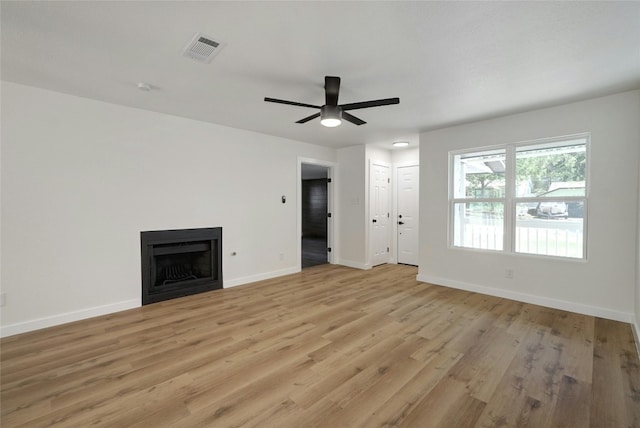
(401, 222)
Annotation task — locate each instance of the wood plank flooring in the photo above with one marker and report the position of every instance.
(328, 347)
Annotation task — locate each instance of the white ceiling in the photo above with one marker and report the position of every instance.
(449, 62)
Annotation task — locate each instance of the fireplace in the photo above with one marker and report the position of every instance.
(177, 263)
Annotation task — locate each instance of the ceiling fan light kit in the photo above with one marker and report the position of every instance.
(331, 113)
(330, 116)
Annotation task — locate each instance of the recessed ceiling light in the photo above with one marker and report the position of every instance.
(401, 144)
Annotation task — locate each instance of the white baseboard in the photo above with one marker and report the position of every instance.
(579, 308)
(39, 323)
(259, 277)
(355, 265)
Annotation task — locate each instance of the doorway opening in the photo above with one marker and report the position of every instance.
(314, 214)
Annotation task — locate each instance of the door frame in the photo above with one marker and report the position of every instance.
(332, 168)
(394, 242)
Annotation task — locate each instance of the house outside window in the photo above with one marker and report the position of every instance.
(526, 198)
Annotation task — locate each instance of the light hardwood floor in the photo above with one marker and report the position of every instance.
(331, 347)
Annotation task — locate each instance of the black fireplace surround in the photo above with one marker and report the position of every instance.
(177, 263)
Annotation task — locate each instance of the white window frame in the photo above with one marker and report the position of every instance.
(511, 200)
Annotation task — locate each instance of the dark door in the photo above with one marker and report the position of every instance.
(314, 215)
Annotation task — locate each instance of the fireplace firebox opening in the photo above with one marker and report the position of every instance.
(178, 263)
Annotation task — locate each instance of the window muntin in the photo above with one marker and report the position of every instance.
(527, 198)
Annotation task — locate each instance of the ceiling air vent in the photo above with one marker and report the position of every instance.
(202, 48)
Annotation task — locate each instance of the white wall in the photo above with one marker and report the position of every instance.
(405, 156)
(352, 206)
(81, 179)
(354, 166)
(604, 284)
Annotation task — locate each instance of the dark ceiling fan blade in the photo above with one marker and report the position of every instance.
(367, 104)
(291, 103)
(331, 89)
(351, 118)
(308, 118)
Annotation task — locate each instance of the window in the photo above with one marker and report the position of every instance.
(527, 198)
(479, 199)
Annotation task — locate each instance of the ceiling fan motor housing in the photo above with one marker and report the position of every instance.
(328, 111)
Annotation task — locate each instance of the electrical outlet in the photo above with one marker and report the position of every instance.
(508, 273)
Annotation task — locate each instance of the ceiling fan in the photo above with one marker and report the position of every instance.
(332, 113)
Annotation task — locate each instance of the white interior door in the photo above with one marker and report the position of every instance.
(379, 212)
(408, 198)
